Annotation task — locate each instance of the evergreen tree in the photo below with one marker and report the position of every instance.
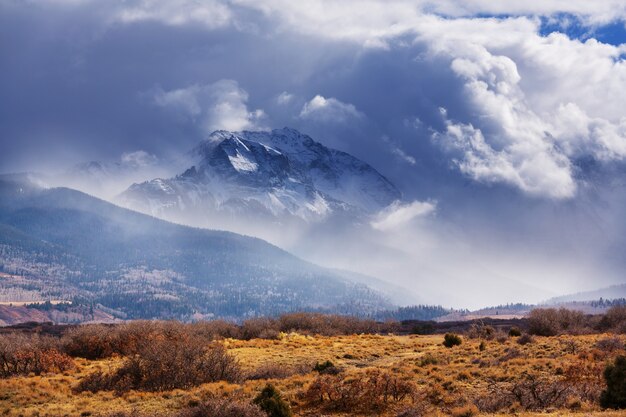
(271, 402)
(615, 376)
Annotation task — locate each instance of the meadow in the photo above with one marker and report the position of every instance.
(161, 369)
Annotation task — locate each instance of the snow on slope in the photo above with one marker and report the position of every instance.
(272, 175)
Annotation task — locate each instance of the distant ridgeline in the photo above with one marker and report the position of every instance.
(608, 303)
(418, 312)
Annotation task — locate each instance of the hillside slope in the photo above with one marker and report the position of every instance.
(63, 244)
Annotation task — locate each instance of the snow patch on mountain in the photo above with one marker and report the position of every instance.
(276, 175)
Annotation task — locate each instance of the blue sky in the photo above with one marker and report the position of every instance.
(510, 115)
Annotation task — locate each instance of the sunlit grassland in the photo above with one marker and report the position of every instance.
(460, 372)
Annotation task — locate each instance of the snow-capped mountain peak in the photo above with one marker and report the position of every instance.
(276, 175)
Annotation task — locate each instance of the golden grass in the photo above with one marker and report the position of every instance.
(463, 370)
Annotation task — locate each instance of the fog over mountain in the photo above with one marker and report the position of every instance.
(470, 151)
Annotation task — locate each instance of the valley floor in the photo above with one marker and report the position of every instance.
(446, 381)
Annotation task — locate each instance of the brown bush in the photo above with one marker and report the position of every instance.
(223, 408)
(210, 408)
(465, 411)
(276, 371)
(92, 341)
(531, 392)
(536, 393)
(216, 329)
(22, 354)
(369, 391)
(327, 324)
(614, 320)
(550, 322)
(585, 380)
(167, 364)
(525, 339)
(420, 409)
(480, 330)
(97, 341)
(255, 328)
(610, 344)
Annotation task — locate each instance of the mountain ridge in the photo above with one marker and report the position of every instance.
(64, 244)
(271, 175)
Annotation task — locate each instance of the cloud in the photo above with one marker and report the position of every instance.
(284, 98)
(208, 13)
(396, 150)
(532, 167)
(375, 22)
(399, 214)
(403, 156)
(329, 110)
(138, 159)
(530, 103)
(218, 106)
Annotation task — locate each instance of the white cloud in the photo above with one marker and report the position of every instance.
(536, 103)
(284, 98)
(398, 214)
(532, 167)
(218, 106)
(403, 156)
(370, 22)
(396, 150)
(374, 22)
(138, 159)
(208, 13)
(329, 110)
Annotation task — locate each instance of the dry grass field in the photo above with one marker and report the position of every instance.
(548, 376)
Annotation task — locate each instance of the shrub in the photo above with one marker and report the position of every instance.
(325, 367)
(615, 376)
(167, 364)
(327, 324)
(515, 331)
(255, 328)
(610, 344)
(212, 407)
(538, 393)
(543, 322)
(367, 392)
(451, 339)
(614, 319)
(428, 359)
(481, 331)
(216, 329)
(416, 410)
(550, 321)
(423, 328)
(509, 353)
(271, 371)
(271, 402)
(97, 341)
(24, 354)
(466, 411)
(92, 341)
(222, 408)
(525, 339)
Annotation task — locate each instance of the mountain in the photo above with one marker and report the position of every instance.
(609, 293)
(61, 244)
(280, 175)
(106, 179)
